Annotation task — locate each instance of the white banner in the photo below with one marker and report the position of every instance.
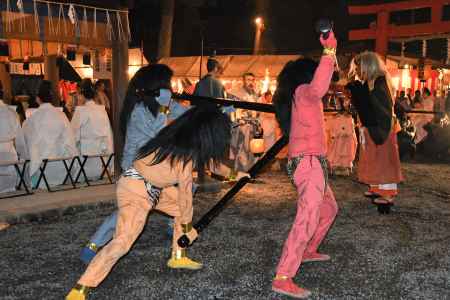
(34, 69)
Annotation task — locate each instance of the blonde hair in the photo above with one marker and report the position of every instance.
(371, 67)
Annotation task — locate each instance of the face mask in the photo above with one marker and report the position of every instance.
(164, 97)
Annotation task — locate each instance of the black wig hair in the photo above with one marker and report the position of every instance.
(293, 74)
(144, 86)
(211, 64)
(201, 135)
(87, 88)
(98, 84)
(45, 91)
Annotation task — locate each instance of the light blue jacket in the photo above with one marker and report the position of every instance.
(143, 126)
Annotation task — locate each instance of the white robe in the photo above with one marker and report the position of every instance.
(12, 146)
(48, 135)
(341, 140)
(93, 136)
(420, 120)
(269, 125)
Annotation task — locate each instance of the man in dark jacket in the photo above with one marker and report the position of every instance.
(209, 85)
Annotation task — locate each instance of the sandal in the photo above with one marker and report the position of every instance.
(371, 194)
(384, 200)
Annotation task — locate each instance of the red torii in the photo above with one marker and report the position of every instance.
(383, 31)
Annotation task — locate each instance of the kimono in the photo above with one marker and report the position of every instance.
(12, 146)
(93, 136)
(48, 135)
(379, 161)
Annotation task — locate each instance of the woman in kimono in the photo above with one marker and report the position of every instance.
(379, 162)
(92, 131)
(48, 134)
(12, 146)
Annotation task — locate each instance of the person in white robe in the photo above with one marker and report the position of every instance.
(93, 133)
(242, 135)
(12, 147)
(268, 123)
(101, 98)
(420, 120)
(48, 135)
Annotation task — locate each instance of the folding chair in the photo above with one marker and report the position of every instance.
(105, 166)
(43, 167)
(21, 173)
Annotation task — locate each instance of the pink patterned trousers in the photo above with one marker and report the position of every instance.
(316, 210)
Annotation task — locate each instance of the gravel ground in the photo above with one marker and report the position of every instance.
(404, 255)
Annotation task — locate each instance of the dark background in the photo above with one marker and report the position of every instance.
(227, 26)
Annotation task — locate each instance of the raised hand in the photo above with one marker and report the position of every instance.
(330, 42)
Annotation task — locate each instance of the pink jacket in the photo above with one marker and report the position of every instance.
(307, 124)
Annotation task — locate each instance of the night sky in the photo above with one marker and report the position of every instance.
(228, 26)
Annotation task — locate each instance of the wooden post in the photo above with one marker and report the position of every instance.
(436, 12)
(381, 44)
(119, 88)
(52, 73)
(5, 79)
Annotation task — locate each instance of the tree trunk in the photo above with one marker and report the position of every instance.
(165, 32)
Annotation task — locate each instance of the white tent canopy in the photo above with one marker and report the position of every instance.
(234, 65)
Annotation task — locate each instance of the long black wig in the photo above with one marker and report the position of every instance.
(144, 86)
(293, 74)
(201, 135)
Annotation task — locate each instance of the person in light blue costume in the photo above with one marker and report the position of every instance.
(148, 107)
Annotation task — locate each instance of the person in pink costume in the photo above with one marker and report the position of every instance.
(299, 110)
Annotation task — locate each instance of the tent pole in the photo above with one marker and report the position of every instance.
(201, 58)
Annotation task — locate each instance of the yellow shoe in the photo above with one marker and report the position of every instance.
(75, 295)
(79, 292)
(183, 263)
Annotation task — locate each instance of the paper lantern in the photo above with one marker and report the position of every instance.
(257, 146)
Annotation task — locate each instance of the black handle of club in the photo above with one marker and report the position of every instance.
(226, 102)
(183, 241)
(324, 26)
(423, 112)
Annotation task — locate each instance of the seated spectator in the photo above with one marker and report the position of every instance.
(92, 131)
(48, 135)
(268, 123)
(20, 110)
(77, 98)
(341, 142)
(101, 98)
(417, 100)
(421, 120)
(402, 105)
(428, 100)
(12, 146)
